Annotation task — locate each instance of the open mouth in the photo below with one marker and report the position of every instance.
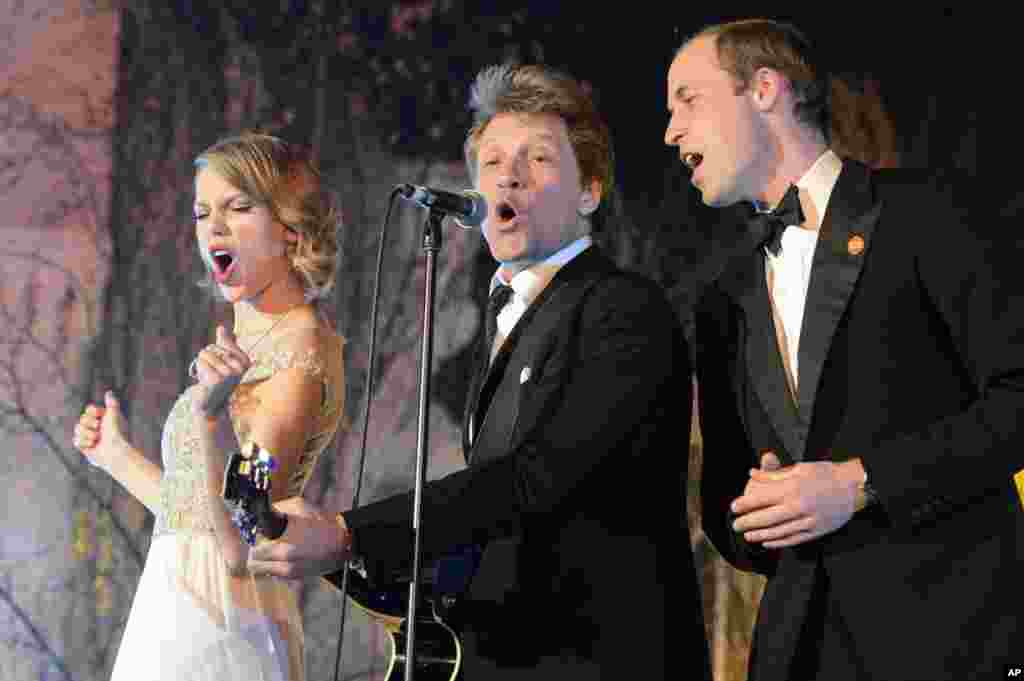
(223, 262)
(692, 159)
(505, 211)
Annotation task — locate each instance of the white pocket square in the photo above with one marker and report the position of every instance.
(524, 375)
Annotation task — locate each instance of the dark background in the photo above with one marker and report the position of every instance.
(623, 51)
(394, 76)
(103, 107)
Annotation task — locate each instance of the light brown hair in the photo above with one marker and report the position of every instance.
(285, 178)
(536, 89)
(747, 45)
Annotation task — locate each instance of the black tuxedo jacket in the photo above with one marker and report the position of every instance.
(575, 487)
(911, 356)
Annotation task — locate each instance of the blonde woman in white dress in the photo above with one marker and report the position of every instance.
(266, 230)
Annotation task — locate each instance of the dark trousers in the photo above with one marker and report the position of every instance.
(477, 667)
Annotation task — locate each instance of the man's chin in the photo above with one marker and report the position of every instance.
(512, 265)
(720, 195)
(508, 256)
(714, 200)
(520, 259)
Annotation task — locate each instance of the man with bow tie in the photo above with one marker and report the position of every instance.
(860, 382)
(575, 433)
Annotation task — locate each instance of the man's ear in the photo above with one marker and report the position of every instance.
(590, 198)
(766, 88)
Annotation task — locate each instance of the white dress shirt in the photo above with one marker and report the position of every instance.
(789, 273)
(528, 284)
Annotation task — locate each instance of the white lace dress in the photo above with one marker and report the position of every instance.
(191, 620)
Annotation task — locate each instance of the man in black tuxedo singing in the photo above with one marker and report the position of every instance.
(860, 383)
(576, 432)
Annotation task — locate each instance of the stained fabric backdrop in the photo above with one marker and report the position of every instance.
(103, 106)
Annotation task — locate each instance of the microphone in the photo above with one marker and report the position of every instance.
(469, 208)
(219, 394)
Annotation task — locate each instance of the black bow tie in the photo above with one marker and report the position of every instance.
(770, 226)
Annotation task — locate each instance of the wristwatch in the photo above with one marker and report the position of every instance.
(866, 495)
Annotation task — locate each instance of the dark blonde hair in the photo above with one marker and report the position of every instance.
(747, 45)
(286, 179)
(535, 89)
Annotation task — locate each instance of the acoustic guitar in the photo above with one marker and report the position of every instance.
(247, 481)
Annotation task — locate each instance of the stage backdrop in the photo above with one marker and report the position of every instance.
(103, 106)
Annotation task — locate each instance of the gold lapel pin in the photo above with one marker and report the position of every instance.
(855, 246)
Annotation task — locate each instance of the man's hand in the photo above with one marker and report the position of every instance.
(786, 506)
(315, 543)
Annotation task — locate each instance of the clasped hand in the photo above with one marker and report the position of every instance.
(786, 506)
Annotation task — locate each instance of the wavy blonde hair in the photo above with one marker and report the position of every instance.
(285, 178)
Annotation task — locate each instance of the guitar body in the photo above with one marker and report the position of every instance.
(438, 652)
(438, 657)
(438, 649)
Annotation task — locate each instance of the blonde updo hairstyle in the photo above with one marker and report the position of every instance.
(286, 179)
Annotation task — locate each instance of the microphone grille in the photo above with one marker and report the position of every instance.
(479, 210)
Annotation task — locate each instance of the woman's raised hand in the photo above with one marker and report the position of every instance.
(99, 433)
(219, 369)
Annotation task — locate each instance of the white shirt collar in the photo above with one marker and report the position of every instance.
(528, 283)
(819, 181)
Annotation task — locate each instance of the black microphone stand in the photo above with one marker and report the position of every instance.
(431, 246)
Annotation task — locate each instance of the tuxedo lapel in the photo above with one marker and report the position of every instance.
(843, 243)
(492, 379)
(763, 360)
(553, 303)
(490, 370)
(481, 360)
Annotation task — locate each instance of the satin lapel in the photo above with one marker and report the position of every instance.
(844, 241)
(581, 267)
(764, 363)
(473, 397)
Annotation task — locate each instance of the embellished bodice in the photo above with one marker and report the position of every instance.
(183, 502)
